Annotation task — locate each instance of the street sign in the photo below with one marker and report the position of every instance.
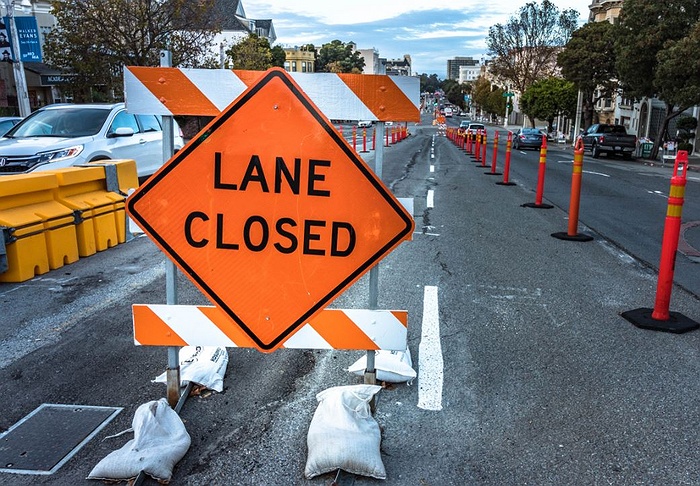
(270, 212)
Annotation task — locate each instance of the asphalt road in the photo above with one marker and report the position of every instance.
(536, 378)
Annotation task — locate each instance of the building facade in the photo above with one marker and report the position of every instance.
(299, 60)
(453, 66)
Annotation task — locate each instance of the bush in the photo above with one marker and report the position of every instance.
(688, 147)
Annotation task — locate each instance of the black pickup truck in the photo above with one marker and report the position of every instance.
(609, 139)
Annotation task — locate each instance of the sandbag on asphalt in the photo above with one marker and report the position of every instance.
(391, 366)
(343, 434)
(160, 441)
(203, 365)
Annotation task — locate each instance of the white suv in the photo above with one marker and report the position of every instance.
(65, 135)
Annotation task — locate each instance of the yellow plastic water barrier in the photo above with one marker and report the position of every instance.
(50, 219)
(39, 231)
(100, 217)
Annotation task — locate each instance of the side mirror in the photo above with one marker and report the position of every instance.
(121, 132)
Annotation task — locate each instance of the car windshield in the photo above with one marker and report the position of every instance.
(531, 131)
(68, 122)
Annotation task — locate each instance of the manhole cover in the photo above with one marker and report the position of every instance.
(48, 437)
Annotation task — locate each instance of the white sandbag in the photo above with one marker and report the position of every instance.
(160, 441)
(343, 434)
(391, 366)
(203, 365)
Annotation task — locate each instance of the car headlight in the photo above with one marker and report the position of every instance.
(62, 154)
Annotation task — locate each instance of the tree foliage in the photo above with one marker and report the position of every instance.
(657, 45)
(588, 60)
(454, 92)
(255, 54)
(430, 83)
(339, 57)
(549, 98)
(524, 50)
(95, 39)
(489, 99)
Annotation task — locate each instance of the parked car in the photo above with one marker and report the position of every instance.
(527, 138)
(7, 122)
(603, 138)
(364, 124)
(463, 126)
(473, 129)
(65, 135)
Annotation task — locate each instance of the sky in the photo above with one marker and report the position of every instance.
(430, 31)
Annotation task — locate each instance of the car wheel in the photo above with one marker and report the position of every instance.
(595, 151)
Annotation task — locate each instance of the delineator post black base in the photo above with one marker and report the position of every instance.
(505, 183)
(676, 323)
(537, 206)
(576, 237)
(493, 173)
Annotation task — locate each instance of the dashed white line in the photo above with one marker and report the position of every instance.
(431, 199)
(430, 362)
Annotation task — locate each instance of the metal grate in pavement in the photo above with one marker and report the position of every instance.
(49, 436)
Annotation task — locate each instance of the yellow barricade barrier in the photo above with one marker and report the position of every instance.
(50, 219)
(39, 231)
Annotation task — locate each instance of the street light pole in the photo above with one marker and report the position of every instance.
(17, 64)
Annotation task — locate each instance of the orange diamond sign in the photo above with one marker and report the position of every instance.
(269, 211)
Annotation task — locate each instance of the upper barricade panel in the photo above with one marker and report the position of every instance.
(206, 92)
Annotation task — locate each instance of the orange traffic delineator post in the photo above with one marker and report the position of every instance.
(506, 165)
(660, 318)
(477, 147)
(469, 141)
(494, 157)
(483, 148)
(354, 138)
(540, 179)
(575, 198)
(364, 140)
(374, 138)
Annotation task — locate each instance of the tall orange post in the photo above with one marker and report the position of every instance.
(660, 318)
(483, 148)
(477, 148)
(374, 138)
(540, 179)
(354, 138)
(494, 156)
(575, 198)
(506, 165)
(469, 141)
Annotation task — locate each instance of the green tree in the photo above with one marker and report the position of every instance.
(549, 98)
(339, 57)
(524, 50)
(94, 40)
(481, 91)
(254, 53)
(657, 46)
(430, 83)
(588, 60)
(496, 102)
(454, 92)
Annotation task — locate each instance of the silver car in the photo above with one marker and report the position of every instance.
(65, 135)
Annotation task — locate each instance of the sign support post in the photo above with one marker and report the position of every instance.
(173, 371)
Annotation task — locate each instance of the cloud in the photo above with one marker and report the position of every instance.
(430, 32)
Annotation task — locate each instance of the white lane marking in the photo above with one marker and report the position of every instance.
(694, 179)
(595, 173)
(431, 199)
(658, 193)
(430, 363)
(432, 168)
